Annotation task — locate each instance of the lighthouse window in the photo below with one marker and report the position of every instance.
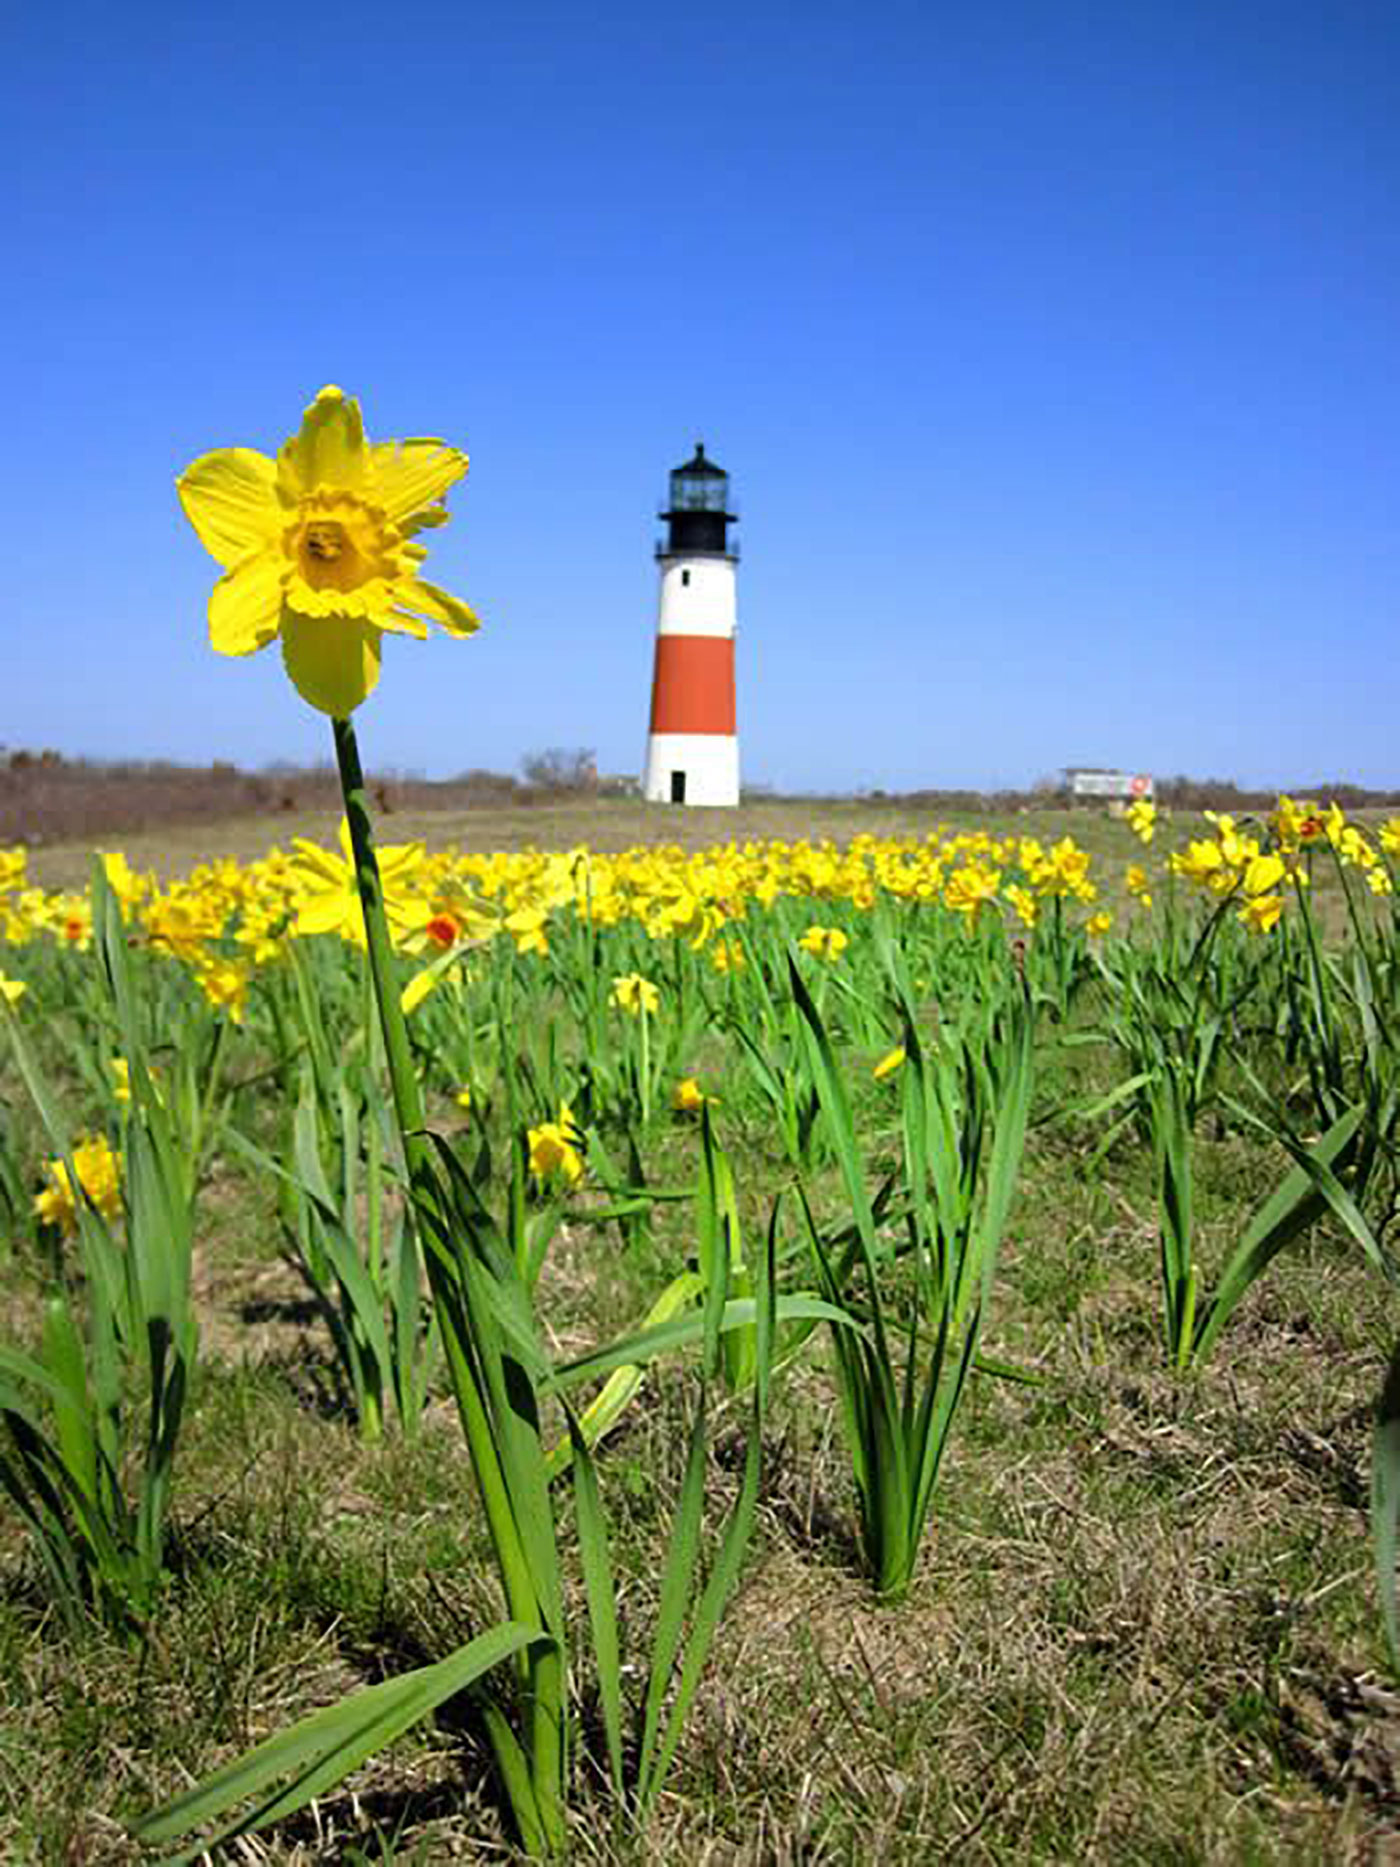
(685, 576)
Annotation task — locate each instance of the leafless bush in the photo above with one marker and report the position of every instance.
(46, 799)
(561, 768)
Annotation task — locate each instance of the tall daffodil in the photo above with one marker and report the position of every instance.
(318, 547)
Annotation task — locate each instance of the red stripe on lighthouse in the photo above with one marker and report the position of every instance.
(692, 690)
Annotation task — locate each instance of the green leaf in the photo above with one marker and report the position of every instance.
(323, 1749)
(1385, 1500)
(1290, 1209)
(600, 1592)
(683, 1331)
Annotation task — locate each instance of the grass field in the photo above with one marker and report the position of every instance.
(1143, 1626)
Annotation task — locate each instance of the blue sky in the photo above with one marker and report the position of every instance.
(1052, 347)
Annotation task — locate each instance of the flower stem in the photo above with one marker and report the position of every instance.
(540, 1815)
(408, 1099)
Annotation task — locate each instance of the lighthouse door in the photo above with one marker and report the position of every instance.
(677, 787)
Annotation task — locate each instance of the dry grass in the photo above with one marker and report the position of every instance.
(1143, 1630)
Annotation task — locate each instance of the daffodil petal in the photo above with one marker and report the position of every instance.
(245, 605)
(333, 661)
(409, 475)
(230, 498)
(426, 599)
(402, 623)
(425, 520)
(328, 450)
(321, 914)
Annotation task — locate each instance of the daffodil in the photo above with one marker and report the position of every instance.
(1263, 874)
(1141, 819)
(326, 897)
(1261, 914)
(224, 984)
(181, 922)
(688, 1098)
(1139, 884)
(634, 994)
(120, 1072)
(827, 943)
(98, 1166)
(1295, 823)
(12, 990)
(891, 1061)
(526, 926)
(1202, 862)
(1024, 902)
(554, 1149)
(969, 888)
(727, 956)
(129, 887)
(318, 547)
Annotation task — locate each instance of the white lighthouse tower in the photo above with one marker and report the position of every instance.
(693, 749)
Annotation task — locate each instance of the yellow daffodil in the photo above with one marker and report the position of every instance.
(1202, 861)
(69, 916)
(129, 887)
(12, 990)
(182, 921)
(969, 888)
(688, 1098)
(727, 956)
(1389, 835)
(327, 898)
(98, 1166)
(463, 1099)
(1141, 819)
(224, 984)
(1262, 874)
(634, 994)
(1139, 884)
(1295, 823)
(12, 868)
(526, 926)
(554, 1149)
(1261, 913)
(827, 943)
(1354, 850)
(1098, 924)
(891, 1061)
(120, 1071)
(318, 547)
(1024, 902)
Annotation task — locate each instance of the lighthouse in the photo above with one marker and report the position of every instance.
(693, 749)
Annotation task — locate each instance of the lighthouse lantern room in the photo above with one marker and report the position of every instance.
(693, 748)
